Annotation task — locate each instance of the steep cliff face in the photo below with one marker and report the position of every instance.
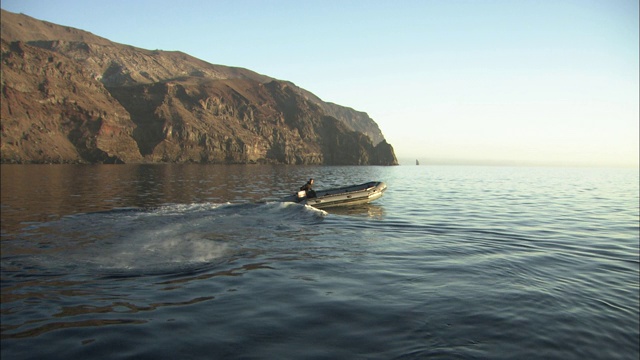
(47, 116)
(70, 96)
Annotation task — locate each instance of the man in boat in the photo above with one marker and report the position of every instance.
(308, 189)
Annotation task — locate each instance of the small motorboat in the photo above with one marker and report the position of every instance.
(344, 196)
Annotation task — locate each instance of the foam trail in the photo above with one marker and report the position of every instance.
(171, 237)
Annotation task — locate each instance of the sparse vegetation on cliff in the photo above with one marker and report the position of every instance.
(69, 96)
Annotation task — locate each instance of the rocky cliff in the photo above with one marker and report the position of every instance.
(69, 96)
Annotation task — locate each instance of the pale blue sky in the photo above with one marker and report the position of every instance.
(496, 81)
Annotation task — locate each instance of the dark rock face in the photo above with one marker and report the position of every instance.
(71, 97)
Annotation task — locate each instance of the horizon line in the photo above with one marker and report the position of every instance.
(468, 162)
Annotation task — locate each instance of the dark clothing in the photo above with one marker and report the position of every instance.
(307, 188)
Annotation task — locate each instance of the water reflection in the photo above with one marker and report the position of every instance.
(122, 307)
(371, 211)
(41, 193)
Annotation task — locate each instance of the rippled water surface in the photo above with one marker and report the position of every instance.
(198, 261)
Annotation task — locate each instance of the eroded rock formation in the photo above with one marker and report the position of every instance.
(69, 96)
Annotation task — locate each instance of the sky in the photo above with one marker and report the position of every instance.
(514, 82)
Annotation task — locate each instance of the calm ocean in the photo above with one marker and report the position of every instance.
(201, 262)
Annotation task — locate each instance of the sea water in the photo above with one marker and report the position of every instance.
(202, 261)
